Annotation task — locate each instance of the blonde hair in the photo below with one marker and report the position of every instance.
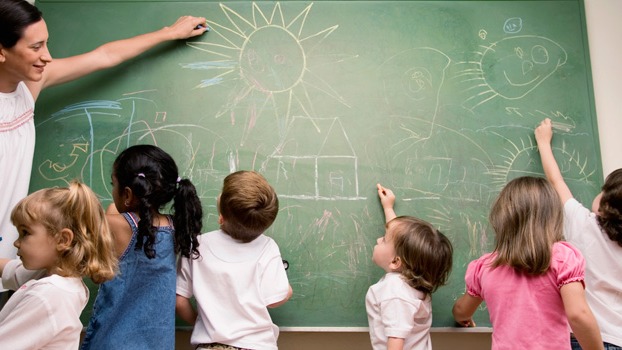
(248, 205)
(425, 252)
(527, 218)
(77, 208)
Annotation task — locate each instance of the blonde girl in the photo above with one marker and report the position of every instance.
(532, 282)
(63, 233)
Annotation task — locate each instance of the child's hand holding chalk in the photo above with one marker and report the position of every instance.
(387, 200)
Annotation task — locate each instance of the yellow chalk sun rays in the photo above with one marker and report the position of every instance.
(267, 57)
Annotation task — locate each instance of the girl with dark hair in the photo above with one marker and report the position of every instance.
(136, 310)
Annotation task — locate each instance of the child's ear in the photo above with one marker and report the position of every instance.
(128, 196)
(396, 264)
(221, 220)
(65, 238)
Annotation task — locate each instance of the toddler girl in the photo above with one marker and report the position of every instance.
(63, 233)
(417, 259)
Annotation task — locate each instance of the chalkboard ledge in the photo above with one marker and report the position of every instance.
(366, 329)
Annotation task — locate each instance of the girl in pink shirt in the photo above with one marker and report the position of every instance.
(532, 282)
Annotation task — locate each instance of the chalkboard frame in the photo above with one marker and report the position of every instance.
(53, 101)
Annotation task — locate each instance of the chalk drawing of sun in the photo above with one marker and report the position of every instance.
(521, 159)
(267, 57)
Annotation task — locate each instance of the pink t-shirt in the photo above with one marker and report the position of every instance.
(526, 311)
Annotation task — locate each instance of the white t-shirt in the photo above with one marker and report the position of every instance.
(42, 314)
(233, 283)
(395, 309)
(603, 269)
(17, 147)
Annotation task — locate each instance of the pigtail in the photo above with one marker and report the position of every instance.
(145, 229)
(187, 218)
(145, 238)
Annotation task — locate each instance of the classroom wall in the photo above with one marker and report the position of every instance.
(604, 31)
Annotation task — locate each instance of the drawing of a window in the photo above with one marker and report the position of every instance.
(316, 161)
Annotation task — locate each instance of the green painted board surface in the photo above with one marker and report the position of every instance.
(434, 99)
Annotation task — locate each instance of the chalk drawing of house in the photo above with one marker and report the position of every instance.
(315, 161)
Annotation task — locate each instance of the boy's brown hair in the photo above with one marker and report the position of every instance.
(248, 205)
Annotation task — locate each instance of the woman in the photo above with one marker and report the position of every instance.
(26, 68)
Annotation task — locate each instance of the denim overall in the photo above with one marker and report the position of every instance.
(136, 309)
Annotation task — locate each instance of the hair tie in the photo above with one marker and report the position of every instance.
(141, 175)
(178, 179)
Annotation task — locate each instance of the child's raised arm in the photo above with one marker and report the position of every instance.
(544, 135)
(387, 199)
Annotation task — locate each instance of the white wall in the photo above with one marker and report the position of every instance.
(604, 36)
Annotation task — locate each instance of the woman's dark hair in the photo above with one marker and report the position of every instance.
(152, 176)
(610, 207)
(15, 16)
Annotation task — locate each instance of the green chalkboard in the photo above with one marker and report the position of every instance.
(436, 100)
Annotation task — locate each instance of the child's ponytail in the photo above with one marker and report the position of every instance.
(187, 218)
(92, 250)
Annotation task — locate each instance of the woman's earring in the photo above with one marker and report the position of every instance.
(127, 204)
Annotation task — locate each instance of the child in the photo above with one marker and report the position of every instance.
(417, 259)
(136, 310)
(532, 283)
(598, 235)
(62, 232)
(240, 274)
(26, 68)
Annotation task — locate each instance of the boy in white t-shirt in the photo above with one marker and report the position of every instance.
(240, 273)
